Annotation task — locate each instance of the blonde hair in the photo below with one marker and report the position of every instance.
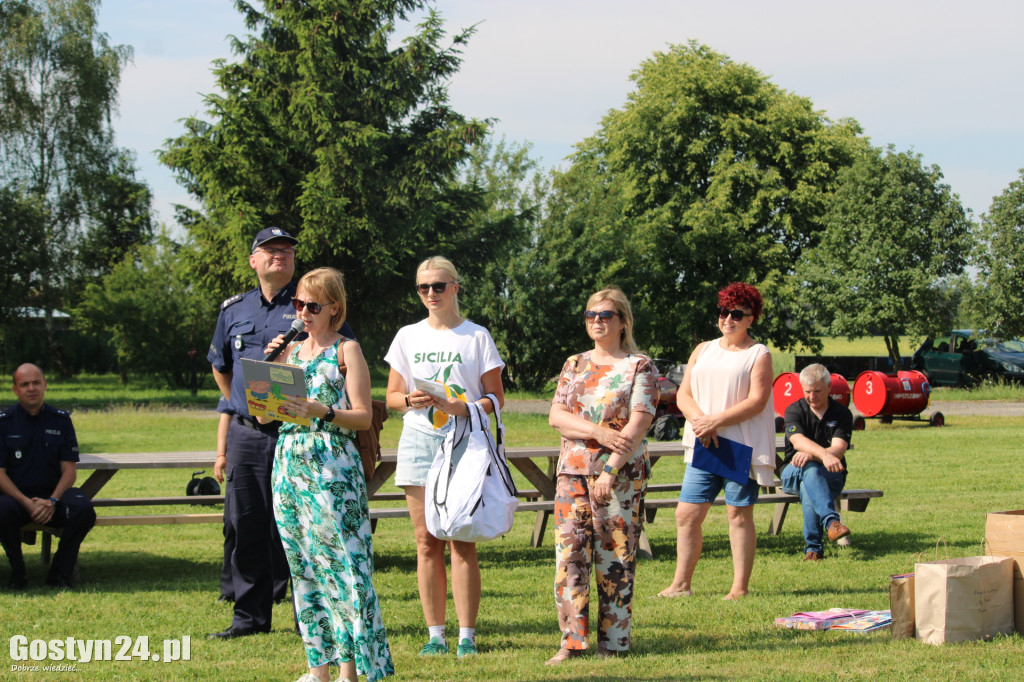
(622, 307)
(445, 265)
(329, 284)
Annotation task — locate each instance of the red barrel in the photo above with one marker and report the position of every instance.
(840, 390)
(903, 393)
(786, 390)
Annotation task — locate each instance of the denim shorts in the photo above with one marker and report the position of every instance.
(416, 451)
(700, 486)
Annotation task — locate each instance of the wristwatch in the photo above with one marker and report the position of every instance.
(329, 417)
(54, 500)
(609, 469)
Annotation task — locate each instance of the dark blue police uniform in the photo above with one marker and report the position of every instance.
(31, 450)
(227, 584)
(247, 323)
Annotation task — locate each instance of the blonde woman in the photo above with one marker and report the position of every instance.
(320, 498)
(449, 349)
(605, 401)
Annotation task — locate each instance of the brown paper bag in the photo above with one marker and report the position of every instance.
(1004, 533)
(959, 600)
(901, 605)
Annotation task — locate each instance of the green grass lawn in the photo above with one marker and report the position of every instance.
(161, 581)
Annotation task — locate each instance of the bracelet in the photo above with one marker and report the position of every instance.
(609, 469)
(222, 456)
(407, 403)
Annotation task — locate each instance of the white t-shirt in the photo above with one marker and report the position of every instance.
(457, 358)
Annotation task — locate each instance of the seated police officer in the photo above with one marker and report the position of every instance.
(38, 451)
(818, 431)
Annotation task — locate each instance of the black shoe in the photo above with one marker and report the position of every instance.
(17, 582)
(225, 599)
(59, 580)
(234, 632)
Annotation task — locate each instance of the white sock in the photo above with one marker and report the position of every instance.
(437, 631)
(467, 633)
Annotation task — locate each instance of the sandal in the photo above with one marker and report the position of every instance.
(564, 655)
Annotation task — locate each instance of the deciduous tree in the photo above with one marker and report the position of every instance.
(708, 174)
(894, 234)
(156, 318)
(61, 174)
(995, 300)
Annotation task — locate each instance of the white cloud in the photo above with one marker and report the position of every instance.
(942, 77)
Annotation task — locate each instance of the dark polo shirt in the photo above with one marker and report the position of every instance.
(837, 422)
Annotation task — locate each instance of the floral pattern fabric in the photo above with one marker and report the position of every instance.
(600, 537)
(321, 508)
(604, 394)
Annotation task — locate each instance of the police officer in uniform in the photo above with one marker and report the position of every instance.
(247, 323)
(38, 451)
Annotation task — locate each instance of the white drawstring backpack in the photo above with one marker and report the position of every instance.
(470, 494)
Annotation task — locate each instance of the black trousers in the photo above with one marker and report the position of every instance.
(258, 564)
(73, 514)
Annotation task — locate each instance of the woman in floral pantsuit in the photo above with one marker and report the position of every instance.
(604, 403)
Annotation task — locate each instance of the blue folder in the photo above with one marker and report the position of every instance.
(729, 459)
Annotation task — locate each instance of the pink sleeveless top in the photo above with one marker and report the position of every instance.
(718, 380)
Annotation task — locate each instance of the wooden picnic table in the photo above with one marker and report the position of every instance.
(104, 466)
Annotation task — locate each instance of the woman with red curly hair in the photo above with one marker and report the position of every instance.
(725, 393)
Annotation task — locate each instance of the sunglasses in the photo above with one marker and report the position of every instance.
(736, 315)
(438, 287)
(313, 308)
(604, 315)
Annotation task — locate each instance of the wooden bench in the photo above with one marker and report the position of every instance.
(849, 500)
(854, 500)
(29, 530)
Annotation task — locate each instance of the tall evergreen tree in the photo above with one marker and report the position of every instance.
(326, 129)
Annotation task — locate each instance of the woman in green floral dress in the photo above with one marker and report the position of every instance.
(320, 493)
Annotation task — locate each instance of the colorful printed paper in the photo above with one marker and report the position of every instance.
(818, 620)
(872, 620)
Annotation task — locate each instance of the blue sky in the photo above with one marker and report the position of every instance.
(942, 78)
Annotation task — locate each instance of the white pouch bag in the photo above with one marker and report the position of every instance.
(470, 494)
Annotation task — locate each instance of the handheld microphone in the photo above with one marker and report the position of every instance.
(297, 326)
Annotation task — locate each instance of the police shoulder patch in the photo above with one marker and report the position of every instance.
(231, 301)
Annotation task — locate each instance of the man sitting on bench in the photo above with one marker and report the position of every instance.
(818, 431)
(38, 451)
